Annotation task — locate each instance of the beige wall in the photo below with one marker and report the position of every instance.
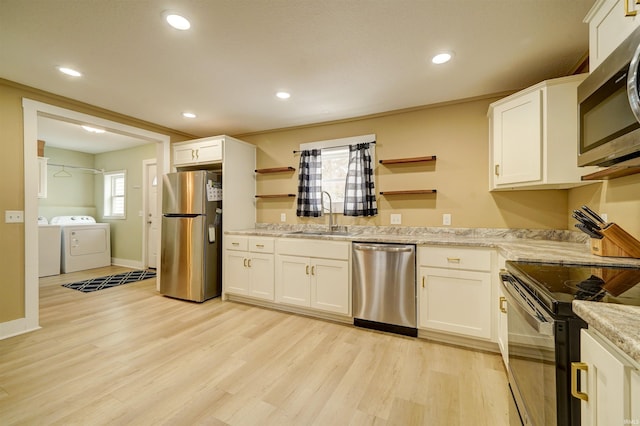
(456, 133)
(12, 284)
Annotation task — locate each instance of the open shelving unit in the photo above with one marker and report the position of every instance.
(271, 170)
(409, 160)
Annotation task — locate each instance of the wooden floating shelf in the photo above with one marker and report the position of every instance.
(275, 196)
(275, 170)
(409, 192)
(612, 173)
(409, 160)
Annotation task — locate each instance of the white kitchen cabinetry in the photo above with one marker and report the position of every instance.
(609, 385)
(42, 177)
(534, 137)
(610, 22)
(314, 274)
(200, 151)
(249, 267)
(454, 290)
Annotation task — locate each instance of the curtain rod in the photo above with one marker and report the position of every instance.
(77, 167)
(337, 146)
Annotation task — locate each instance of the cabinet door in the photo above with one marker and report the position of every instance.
(261, 274)
(455, 301)
(607, 384)
(517, 140)
(209, 151)
(184, 154)
(42, 177)
(236, 273)
(608, 27)
(293, 276)
(330, 285)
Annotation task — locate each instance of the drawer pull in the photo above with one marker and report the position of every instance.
(575, 367)
(502, 301)
(453, 259)
(260, 245)
(235, 244)
(423, 281)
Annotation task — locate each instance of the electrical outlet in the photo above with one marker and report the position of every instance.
(396, 219)
(283, 217)
(13, 216)
(446, 219)
(604, 217)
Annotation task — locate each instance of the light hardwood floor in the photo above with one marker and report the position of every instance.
(127, 355)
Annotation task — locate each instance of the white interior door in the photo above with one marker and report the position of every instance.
(152, 219)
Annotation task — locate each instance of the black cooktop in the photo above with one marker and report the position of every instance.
(557, 285)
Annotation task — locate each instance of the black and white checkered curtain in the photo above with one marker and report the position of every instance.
(310, 184)
(359, 193)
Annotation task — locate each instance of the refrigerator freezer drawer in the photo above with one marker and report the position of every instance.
(188, 265)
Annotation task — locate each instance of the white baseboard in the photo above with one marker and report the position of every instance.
(16, 327)
(127, 263)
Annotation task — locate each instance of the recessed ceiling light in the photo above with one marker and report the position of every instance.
(188, 115)
(283, 95)
(93, 129)
(441, 58)
(69, 71)
(178, 22)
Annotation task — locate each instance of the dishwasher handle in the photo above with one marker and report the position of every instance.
(381, 247)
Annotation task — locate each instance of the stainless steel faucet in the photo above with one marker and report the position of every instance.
(330, 209)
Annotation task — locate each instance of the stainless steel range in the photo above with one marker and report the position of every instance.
(544, 333)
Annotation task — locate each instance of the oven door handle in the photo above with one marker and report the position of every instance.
(632, 84)
(541, 322)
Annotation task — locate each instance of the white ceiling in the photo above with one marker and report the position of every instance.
(338, 58)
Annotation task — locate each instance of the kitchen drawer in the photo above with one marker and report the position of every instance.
(234, 242)
(455, 258)
(261, 245)
(314, 248)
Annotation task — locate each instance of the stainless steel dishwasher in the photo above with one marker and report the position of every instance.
(384, 287)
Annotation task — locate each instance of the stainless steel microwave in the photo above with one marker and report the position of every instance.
(609, 108)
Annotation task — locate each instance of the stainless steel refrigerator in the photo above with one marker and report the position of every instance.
(191, 249)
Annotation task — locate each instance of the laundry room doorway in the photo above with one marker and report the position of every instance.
(32, 111)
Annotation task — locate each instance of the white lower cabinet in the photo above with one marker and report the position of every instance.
(314, 282)
(609, 385)
(249, 267)
(452, 299)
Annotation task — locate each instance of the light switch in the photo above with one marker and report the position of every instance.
(396, 219)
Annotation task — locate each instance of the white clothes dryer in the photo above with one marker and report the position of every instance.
(85, 243)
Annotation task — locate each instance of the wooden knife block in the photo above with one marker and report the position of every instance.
(616, 243)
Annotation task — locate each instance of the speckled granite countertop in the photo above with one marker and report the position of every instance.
(618, 323)
(518, 244)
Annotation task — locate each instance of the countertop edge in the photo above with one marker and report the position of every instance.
(618, 323)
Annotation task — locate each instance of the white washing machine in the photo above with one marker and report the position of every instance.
(48, 248)
(85, 243)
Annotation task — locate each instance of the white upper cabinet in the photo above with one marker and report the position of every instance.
(534, 137)
(200, 151)
(610, 22)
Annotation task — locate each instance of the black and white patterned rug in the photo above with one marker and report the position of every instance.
(95, 284)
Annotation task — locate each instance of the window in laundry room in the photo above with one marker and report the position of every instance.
(115, 195)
